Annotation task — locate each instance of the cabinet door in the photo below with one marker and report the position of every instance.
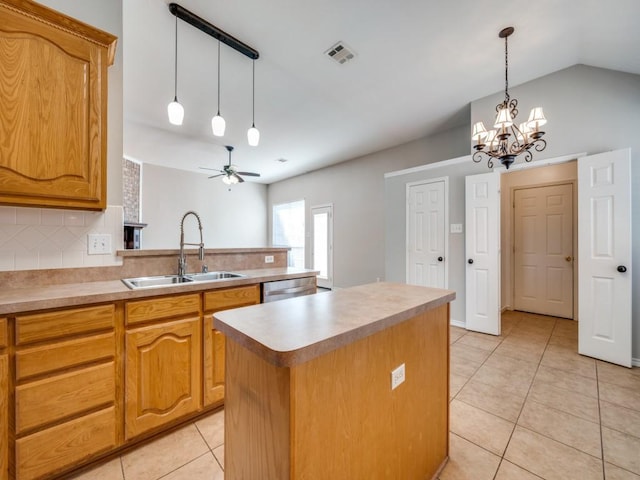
(54, 107)
(214, 340)
(4, 417)
(163, 374)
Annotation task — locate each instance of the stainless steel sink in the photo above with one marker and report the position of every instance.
(168, 280)
(157, 281)
(213, 276)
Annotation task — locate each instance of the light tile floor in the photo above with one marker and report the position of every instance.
(524, 405)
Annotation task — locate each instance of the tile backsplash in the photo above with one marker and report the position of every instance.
(45, 238)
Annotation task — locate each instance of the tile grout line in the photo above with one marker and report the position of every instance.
(211, 449)
(604, 473)
(515, 424)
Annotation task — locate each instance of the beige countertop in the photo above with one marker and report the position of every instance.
(25, 298)
(293, 331)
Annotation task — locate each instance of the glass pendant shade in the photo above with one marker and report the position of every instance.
(536, 118)
(175, 112)
(479, 132)
(503, 119)
(253, 136)
(218, 125)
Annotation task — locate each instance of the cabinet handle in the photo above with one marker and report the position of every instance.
(622, 268)
(568, 258)
(470, 261)
(440, 259)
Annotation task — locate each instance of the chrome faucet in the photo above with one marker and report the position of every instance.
(182, 262)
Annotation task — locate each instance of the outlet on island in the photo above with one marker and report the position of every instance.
(268, 259)
(397, 377)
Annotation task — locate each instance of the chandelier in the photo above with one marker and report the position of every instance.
(506, 140)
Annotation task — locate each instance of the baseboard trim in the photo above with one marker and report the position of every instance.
(457, 323)
(635, 362)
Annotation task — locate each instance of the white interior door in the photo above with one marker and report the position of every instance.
(543, 250)
(604, 256)
(482, 212)
(322, 244)
(426, 234)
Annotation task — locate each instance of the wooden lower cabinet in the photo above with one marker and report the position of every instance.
(4, 402)
(66, 407)
(214, 340)
(163, 374)
(4, 416)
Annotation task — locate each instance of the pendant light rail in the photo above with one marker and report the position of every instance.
(213, 31)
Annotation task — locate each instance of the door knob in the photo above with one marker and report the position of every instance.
(622, 268)
(568, 258)
(440, 259)
(470, 261)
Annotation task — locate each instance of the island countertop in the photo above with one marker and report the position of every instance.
(296, 330)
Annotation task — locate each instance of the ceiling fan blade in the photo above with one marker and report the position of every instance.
(240, 179)
(216, 176)
(213, 169)
(249, 174)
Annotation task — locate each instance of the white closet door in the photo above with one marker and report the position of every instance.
(482, 213)
(604, 256)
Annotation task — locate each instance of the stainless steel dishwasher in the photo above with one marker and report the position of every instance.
(281, 289)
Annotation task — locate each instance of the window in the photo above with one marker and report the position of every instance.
(288, 230)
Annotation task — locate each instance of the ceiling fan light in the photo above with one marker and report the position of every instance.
(253, 136)
(536, 118)
(227, 179)
(503, 119)
(218, 125)
(176, 112)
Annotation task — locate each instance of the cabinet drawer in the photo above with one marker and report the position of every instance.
(55, 398)
(73, 353)
(4, 337)
(162, 307)
(227, 298)
(46, 326)
(65, 445)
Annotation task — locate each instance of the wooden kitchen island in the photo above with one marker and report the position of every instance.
(308, 385)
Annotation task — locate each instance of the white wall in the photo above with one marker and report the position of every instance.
(589, 110)
(235, 217)
(356, 190)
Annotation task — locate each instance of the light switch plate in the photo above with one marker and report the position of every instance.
(268, 259)
(456, 228)
(99, 244)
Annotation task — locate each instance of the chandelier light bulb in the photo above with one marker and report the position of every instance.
(253, 136)
(536, 118)
(218, 125)
(503, 119)
(479, 132)
(176, 112)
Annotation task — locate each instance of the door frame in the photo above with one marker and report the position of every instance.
(426, 181)
(509, 251)
(328, 283)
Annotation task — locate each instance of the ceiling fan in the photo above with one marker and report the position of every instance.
(229, 174)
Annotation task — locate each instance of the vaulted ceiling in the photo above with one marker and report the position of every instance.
(418, 64)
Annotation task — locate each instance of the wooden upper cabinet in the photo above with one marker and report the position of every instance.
(53, 120)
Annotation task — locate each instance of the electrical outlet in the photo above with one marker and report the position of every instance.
(456, 228)
(397, 377)
(99, 244)
(268, 259)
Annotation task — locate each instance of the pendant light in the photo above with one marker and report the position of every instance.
(218, 124)
(174, 109)
(253, 134)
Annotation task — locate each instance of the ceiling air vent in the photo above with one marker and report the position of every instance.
(340, 53)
